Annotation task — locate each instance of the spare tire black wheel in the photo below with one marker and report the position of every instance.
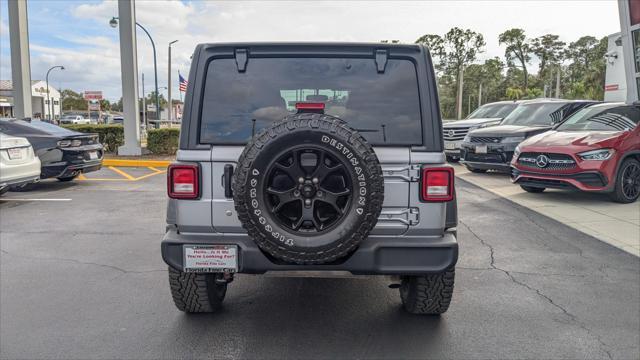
(308, 189)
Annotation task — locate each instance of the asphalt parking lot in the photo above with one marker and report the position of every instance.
(81, 277)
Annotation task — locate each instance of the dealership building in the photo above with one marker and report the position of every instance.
(630, 41)
(39, 100)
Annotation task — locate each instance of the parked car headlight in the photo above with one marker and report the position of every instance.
(467, 138)
(64, 143)
(487, 124)
(600, 154)
(516, 152)
(512, 139)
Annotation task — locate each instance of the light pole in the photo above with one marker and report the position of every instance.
(170, 114)
(49, 107)
(114, 23)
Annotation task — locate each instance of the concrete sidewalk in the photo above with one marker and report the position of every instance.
(593, 214)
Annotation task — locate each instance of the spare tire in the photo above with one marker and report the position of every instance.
(308, 189)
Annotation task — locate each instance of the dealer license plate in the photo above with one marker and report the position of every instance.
(93, 155)
(15, 154)
(210, 258)
(481, 149)
(450, 145)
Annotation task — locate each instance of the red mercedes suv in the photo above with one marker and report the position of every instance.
(596, 149)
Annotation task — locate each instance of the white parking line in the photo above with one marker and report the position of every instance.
(8, 199)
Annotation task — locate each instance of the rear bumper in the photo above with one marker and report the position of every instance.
(19, 181)
(377, 255)
(19, 174)
(69, 169)
(585, 181)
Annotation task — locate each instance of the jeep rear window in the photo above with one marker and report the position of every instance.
(384, 107)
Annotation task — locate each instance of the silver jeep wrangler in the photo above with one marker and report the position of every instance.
(311, 158)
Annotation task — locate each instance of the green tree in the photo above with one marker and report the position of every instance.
(514, 93)
(453, 51)
(586, 70)
(117, 106)
(518, 49)
(550, 51)
(72, 100)
(487, 76)
(105, 105)
(151, 99)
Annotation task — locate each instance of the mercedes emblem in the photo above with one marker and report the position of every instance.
(542, 161)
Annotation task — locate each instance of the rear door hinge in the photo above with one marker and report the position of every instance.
(381, 60)
(414, 172)
(409, 173)
(242, 57)
(413, 216)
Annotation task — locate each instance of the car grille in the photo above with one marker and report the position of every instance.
(485, 139)
(488, 158)
(551, 183)
(455, 133)
(552, 162)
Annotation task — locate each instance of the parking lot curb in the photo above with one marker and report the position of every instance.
(135, 163)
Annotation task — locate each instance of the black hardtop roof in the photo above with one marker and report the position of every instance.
(314, 48)
(312, 44)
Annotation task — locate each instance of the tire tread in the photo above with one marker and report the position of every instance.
(191, 293)
(313, 121)
(429, 294)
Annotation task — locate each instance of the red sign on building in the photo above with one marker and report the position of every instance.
(92, 95)
(634, 12)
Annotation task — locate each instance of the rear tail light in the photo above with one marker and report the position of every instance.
(437, 184)
(183, 181)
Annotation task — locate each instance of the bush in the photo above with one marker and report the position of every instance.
(163, 141)
(111, 136)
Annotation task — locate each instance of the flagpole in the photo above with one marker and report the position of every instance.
(180, 91)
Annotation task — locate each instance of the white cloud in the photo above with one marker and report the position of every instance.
(95, 62)
(4, 28)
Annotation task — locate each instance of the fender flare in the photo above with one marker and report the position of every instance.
(629, 154)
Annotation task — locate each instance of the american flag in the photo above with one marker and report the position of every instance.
(183, 83)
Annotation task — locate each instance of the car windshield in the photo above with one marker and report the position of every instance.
(384, 107)
(540, 114)
(492, 111)
(603, 118)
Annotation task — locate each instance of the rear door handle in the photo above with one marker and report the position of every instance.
(228, 174)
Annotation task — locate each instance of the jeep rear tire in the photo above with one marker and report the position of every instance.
(428, 294)
(308, 189)
(196, 293)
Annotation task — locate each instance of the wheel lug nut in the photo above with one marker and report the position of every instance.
(315, 180)
(301, 180)
(307, 202)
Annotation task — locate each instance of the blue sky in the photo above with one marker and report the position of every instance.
(76, 33)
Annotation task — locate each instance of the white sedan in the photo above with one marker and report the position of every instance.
(18, 163)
